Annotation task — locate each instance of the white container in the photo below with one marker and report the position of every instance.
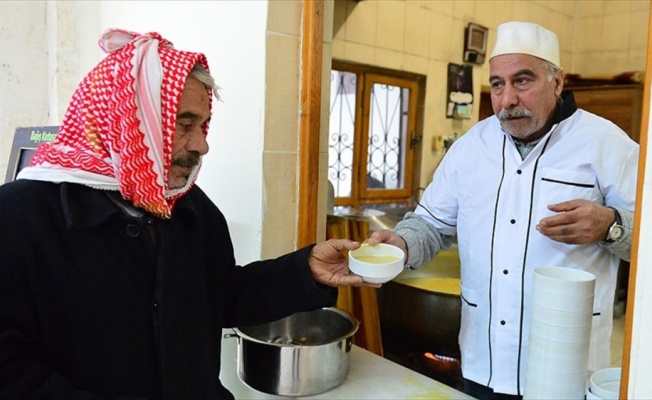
(560, 333)
(377, 264)
(605, 383)
(560, 302)
(564, 281)
(560, 325)
(548, 390)
(554, 347)
(575, 380)
(562, 318)
(562, 362)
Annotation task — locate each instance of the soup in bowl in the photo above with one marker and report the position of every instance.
(377, 264)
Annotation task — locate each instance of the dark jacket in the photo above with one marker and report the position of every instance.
(95, 303)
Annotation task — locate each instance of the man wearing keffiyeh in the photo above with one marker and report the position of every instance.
(117, 273)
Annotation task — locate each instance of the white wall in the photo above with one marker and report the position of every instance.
(23, 72)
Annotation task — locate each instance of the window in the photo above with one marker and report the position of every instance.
(373, 136)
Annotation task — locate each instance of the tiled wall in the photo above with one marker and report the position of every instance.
(596, 37)
(610, 36)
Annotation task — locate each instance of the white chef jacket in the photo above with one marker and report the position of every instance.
(489, 197)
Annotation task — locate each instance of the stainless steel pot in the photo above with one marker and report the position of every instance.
(304, 354)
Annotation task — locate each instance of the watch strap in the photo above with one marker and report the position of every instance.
(617, 222)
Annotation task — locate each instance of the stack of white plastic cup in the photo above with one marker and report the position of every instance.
(560, 333)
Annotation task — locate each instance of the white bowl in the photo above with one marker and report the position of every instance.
(560, 333)
(556, 348)
(535, 389)
(563, 363)
(377, 264)
(555, 379)
(605, 383)
(562, 280)
(561, 302)
(562, 318)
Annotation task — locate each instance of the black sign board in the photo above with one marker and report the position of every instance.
(26, 140)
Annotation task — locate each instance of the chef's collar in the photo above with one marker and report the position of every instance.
(566, 107)
(85, 207)
(526, 148)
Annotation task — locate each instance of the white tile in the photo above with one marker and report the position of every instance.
(417, 29)
(390, 27)
(361, 23)
(587, 8)
(284, 17)
(615, 32)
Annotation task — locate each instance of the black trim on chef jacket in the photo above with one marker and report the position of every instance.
(491, 263)
(566, 108)
(433, 215)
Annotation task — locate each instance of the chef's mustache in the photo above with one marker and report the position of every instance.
(190, 160)
(516, 112)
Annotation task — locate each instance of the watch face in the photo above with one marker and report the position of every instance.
(615, 232)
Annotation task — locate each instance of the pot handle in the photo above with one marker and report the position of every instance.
(231, 335)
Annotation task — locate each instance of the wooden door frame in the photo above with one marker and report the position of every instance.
(312, 42)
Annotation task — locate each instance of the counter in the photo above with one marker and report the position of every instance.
(441, 275)
(370, 377)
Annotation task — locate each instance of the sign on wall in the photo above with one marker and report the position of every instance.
(26, 140)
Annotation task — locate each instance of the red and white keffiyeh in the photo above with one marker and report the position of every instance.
(118, 130)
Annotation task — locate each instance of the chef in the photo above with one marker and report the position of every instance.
(540, 183)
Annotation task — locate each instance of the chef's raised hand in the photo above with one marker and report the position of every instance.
(577, 222)
(329, 264)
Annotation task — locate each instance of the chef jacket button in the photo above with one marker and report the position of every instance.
(132, 230)
(502, 322)
(518, 171)
(505, 272)
(512, 221)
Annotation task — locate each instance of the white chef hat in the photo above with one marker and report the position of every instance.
(526, 38)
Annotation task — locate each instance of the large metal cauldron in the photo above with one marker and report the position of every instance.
(304, 354)
(426, 321)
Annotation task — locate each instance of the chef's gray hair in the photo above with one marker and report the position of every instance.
(206, 78)
(552, 69)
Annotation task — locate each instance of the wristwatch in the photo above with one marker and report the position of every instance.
(616, 229)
